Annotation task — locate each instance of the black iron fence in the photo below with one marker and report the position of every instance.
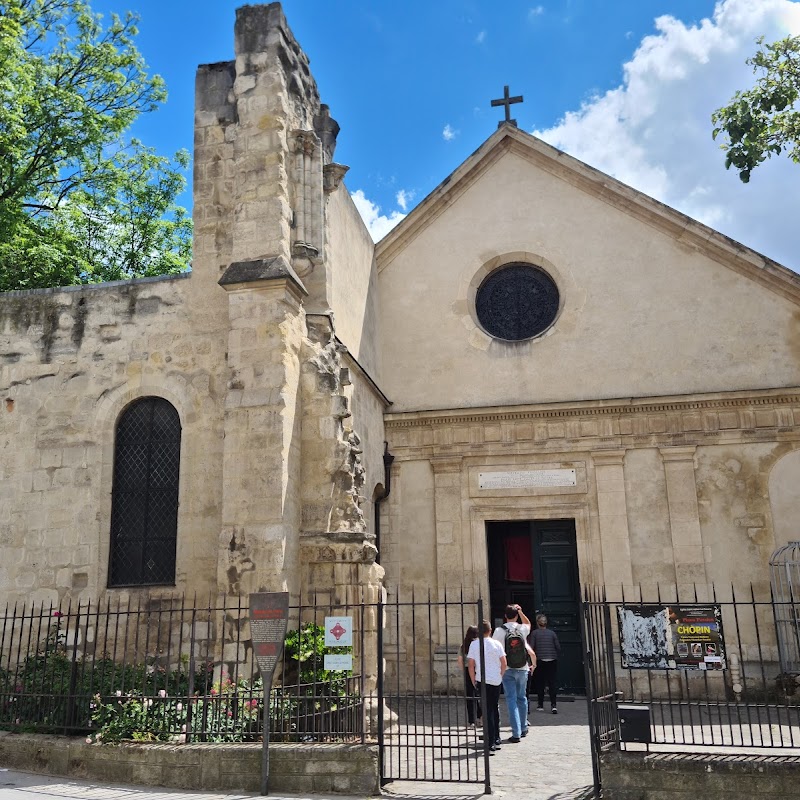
(432, 729)
(169, 669)
(704, 665)
(164, 669)
(598, 660)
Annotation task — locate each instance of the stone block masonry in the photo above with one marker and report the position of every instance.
(681, 776)
(350, 769)
(72, 360)
(270, 453)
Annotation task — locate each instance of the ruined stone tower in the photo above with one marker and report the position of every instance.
(293, 473)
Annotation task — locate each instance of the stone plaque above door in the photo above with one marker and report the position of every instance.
(519, 479)
(526, 479)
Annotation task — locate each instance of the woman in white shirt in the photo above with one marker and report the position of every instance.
(494, 656)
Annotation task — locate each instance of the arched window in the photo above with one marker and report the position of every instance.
(144, 506)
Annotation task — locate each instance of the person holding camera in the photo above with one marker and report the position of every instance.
(520, 659)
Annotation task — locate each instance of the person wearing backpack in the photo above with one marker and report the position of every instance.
(513, 634)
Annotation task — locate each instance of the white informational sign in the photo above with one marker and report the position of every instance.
(527, 479)
(336, 663)
(338, 632)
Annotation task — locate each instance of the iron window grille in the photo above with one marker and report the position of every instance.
(144, 506)
(517, 302)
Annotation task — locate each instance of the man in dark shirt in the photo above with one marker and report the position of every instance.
(547, 648)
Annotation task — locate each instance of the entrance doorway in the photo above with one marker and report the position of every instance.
(535, 563)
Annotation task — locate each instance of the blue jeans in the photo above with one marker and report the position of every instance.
(515, 686)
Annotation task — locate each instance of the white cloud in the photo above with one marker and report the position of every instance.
(654, 131)
(404, 197)
(536, 11)
(377, 224)
(448, 134)
(480, 38)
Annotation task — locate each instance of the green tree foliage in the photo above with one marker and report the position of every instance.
(765, 120)
(79, 202)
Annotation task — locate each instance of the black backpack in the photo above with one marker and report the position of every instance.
(516, 651)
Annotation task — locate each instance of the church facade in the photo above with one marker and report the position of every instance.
(576, 384)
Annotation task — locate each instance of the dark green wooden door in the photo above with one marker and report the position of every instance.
(558, 595)
(542, 580)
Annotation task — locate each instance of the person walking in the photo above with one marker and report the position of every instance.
(547, 648)
(473, 697)
(513, 635)
(494, 657)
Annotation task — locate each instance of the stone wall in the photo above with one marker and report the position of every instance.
(651, 302)
(675, 776)
(667, 492)
(354, 291)
(270, 447)
(72, 360)
(318, 768)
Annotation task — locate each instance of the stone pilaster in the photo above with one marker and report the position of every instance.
(308, 219)
(612, 511)
(684, 516)
(451, 550)
(261, 451)
(308, 239)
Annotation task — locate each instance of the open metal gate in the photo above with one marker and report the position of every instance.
(601, 687)
(423, 733)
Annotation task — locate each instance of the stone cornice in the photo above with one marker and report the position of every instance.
(684, 229)
(260, 272)
(612, 407)
(671, 423)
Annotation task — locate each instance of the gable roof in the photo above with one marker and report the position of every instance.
(689, 232)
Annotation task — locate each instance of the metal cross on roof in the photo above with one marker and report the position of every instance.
(506, 101)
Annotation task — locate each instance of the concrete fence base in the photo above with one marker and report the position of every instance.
(679, 776)
(318, 768)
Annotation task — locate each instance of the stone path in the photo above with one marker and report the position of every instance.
(552, 763)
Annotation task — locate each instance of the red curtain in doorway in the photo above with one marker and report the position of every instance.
(519, 559)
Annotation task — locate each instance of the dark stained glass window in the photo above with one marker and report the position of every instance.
(517, 302)
(144, 506)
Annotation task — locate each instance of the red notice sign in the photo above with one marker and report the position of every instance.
(269, 616)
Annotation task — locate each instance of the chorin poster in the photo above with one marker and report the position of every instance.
(269, 616)
(671, 637)
(696, 633)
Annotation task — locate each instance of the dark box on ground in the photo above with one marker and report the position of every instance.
(634, 723)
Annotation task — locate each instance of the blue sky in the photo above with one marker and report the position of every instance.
(627, 86)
